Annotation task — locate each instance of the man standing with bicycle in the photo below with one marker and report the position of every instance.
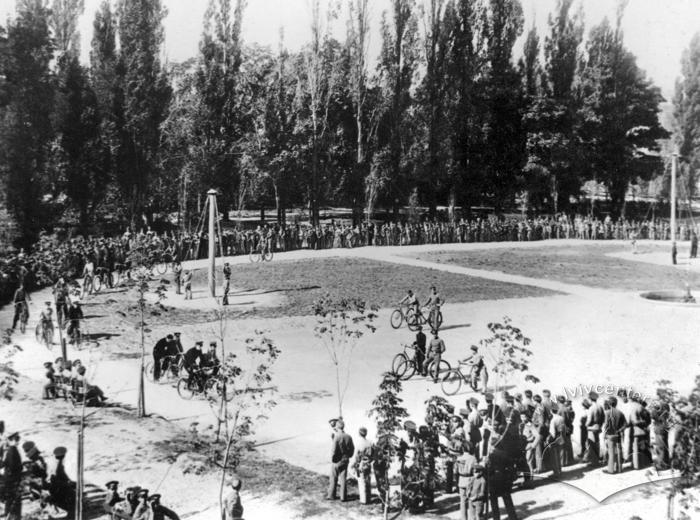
(20, 300)
(435, 351)
(420, 351)
(75, 315)
(160, 351)
(433, 303)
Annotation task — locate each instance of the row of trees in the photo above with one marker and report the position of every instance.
(447, 115)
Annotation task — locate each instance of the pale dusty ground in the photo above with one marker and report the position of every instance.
(585, 336)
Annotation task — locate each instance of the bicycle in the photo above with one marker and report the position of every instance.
(261, 253)
(404, 365)
(170, 368)
(201, 383)
(100, 280)
(415, 319)
(163, 262)
(452, 381)
(88, 285)
(23, 317)
(399, 315)
(44, 334)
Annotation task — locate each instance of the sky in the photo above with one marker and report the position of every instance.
(656, 31)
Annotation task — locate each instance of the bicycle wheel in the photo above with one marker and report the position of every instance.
(407, 369)
(48, 337)
(442, 369)
(451, 382)
(254, 256)
(23, 324)
(412, 320)
(267, 255)
(149, 372)
(432, 319)
(184, 389)
(398, 364)
(161, 267)
(97, 284)
(396, 318)
(39, 334)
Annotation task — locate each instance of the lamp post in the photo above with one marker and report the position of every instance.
(211, 194)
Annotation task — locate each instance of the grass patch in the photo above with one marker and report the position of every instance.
(585, 265)
(380, 283)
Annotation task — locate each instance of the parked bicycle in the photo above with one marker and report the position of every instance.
(203, 383)
(171, 368)
(453, 380)
(100, 280)
(415, 319)
(404, 365)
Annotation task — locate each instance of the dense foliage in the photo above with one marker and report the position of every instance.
(446, 116)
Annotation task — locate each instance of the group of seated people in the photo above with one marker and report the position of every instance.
(136, 504)
(67, 379)
(32, 477)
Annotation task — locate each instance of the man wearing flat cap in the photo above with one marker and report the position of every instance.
(364, 454)
(233, 509)
(61, 488)
(160, 350)
(193, 359)
(142, 511)
(158, 511)
(343, 450)
(112, 498)
(12, 464)
(594, 425)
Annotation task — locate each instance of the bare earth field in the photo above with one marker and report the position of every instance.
(583, 331)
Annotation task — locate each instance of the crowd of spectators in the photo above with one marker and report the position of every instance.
(52, 257)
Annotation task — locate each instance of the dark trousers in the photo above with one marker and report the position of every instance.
(614, 453)
(227, 284)
(339, 475)
(13, 500)
(593, 448)
(420, 360)
(157, 358)
(507, 501)
(17, 316)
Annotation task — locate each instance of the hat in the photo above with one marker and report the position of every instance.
(518, 397)
(509, 398)
(199, 343)
(409, 426)
(537, 398)
(169, 336)
(333, 421)
(29, 449)
(212, 343)
(528, 393)
(463, 412)
(363, 431)
(488, 397)
(561, 399)
(13, 436)
(48, 364)
(60, 451)
(586, 403)
(177, 333)
(474, 347)
(112, 483)
(592, 395)
(474, 401)
(154, 497)
(77, 362)
(143, 493)
(133, 489)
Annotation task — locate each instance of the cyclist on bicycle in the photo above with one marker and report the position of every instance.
(88, 275)
(410, 301)
(75, 314)
(192, 361)
(46, 318)
(60, 292)
(434, 302)
(476, 362)
(210, 362)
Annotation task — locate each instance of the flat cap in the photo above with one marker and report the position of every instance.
(60, 451)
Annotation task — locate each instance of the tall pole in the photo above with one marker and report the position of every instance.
(211, 194)
(674, 161)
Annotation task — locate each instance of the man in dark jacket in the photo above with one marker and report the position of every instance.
(343, 450)
(160, 350)
(420, 351)
(615, 424)
(500, 471)
(12, 492)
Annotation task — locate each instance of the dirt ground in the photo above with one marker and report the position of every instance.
(582, 334)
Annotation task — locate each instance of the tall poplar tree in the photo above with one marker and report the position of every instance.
(26, 129)
(686, 110)
(146, 94)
